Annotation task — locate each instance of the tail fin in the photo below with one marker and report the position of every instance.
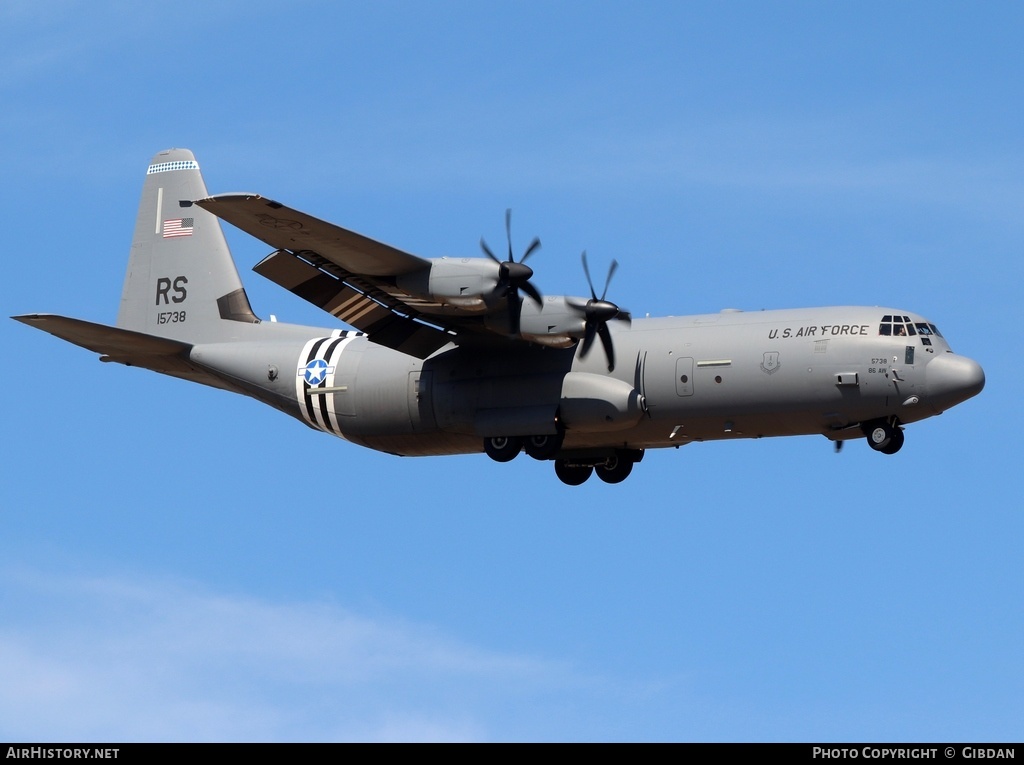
(181, 281)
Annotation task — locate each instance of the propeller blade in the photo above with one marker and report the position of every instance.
(577, 303)
(606, 341)
(514, 309)
(597, 313)
(534, 246)
(586, 271)
(513, 276)
(532, 291)
(608, 279)
(487, 250)
(588, 340)
(508, 232)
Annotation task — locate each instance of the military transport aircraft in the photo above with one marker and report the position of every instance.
(459, 355)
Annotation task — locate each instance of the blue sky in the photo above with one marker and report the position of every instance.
(180, 564)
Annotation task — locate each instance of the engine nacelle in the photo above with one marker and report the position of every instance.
(468, 283)
(553, 323)
(471, 284)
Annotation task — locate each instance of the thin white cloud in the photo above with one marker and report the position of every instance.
(109, 659)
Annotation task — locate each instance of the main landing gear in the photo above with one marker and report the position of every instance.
(610, 468)
(507, 448)
(503, 448)
(613, 468)
(885, 436)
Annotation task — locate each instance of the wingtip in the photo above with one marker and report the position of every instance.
(29, 318)
(228, 197)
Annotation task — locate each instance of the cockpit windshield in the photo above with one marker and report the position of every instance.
(898, 326)
(902, 326)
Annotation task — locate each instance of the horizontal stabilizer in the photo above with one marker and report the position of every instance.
(123, 346)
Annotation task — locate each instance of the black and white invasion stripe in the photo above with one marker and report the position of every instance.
(318, 410)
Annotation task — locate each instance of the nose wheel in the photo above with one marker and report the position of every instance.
(884, 436)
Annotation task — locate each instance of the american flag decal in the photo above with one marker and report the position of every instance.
(178, 227)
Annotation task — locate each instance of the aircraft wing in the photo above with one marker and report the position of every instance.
(287, 229)
(348, 275)
(387, 319)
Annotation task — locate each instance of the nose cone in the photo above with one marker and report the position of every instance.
(952, 379)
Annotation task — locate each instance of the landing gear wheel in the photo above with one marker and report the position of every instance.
(572, 475)
(615, 469)
(503, 448)
(895, 443)
(544, 447)
(880, 435)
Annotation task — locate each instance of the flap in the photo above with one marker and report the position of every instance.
(385, 320)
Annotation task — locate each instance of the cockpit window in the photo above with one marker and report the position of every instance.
(898, 326)
(935, 329)
(923, 329)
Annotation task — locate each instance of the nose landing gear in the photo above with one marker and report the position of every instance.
(885, 436)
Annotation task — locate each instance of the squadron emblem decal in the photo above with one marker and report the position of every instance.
(770, 363)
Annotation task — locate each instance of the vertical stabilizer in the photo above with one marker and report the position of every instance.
(181, 281)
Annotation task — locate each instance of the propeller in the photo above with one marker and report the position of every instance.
(597, 313)
(513, 276)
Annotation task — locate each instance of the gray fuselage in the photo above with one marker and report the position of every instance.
(679, 379)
